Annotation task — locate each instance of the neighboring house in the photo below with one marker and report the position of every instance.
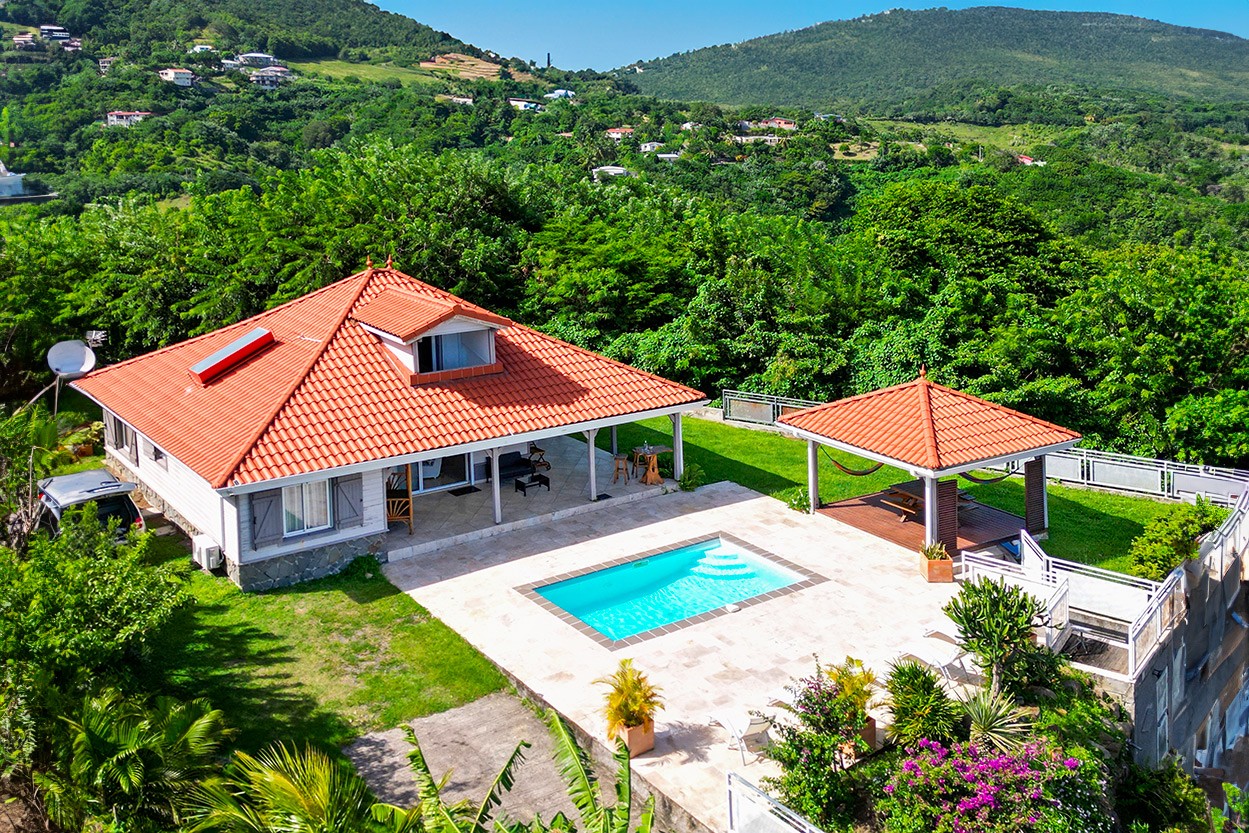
(177, 76)
(52, 32)
(10, 183)
(560, 94)
(465, 100)
(25, 40)
(777, 123)
(270, 78)
(275, 439)
(770, 140)
(1028, 160)
(125, 118)
(71, 45)
(668, 157)
(106, 64)
(231, 64)
(257, 59)
(610, 171)
(525, 105)
(690, 125)
(617, 134)
(651, 147)
(201, 48)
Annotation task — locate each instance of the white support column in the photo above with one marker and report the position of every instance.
(678, 447)
(932, 531)
(589, 442)
(813, 475)
(494, 486)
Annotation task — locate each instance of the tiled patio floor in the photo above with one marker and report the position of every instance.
(442, 515)
(873, 603)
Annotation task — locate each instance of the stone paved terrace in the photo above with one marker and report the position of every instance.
(873, 603)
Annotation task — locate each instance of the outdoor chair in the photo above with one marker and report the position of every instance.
(398, 499)
(749, 732)
(938, 652)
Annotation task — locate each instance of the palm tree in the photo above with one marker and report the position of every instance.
(584, 789)
(283, 789)
(433, 814)
(133, 761)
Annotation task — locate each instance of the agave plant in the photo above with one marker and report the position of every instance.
(996, 720)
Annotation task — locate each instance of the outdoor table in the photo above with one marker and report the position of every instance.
(651, 454)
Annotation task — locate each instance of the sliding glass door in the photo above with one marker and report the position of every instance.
(441, 473)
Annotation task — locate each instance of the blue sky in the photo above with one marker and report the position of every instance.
(606, 35)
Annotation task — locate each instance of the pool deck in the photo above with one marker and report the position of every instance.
(872, 603)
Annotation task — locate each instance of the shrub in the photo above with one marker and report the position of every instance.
(920, 707)
(815, 750)
(1166, 798)
(796, 498)
(1171, 539)
(965, 788)
(995, 622)
(692, 477)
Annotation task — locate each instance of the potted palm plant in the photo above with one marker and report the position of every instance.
(855, 680)
(631, 703)
(935, 563)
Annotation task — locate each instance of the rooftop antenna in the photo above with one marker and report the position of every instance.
(69, 360)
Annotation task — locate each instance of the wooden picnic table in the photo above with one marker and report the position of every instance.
(908, 498)
(651, 454)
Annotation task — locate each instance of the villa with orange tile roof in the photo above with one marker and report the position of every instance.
(274, 439)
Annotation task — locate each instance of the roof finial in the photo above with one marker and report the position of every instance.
(923, 371)
(368, 261)
(390, 260)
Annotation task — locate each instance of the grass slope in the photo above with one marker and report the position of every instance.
(898, 54)
(1085, 525)
(322, 662)
(365, 72)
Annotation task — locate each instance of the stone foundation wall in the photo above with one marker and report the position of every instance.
(316, 562)
(152, 499)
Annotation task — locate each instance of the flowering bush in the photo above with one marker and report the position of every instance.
(963, 789)
(815, 750)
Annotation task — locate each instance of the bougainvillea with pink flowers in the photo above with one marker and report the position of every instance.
(966, 789)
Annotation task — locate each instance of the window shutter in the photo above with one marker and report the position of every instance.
(132, 444)
(111, 424)
(266, 518)
(348, 501)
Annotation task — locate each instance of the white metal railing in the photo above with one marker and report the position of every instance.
(760, 407)
(751, 810)
(1155, 622)
(1083, 466)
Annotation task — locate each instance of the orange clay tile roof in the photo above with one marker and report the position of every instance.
(928, 425)
(405, 315)
(326, 394)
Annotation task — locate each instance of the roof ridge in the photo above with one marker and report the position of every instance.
(242, 321)
(365, 277)
(929, 427)
(1034, 419)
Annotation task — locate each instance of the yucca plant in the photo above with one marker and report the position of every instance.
(631, 700)
(996, 721)
(920, 706)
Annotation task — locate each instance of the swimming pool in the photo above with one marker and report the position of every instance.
(669, 587)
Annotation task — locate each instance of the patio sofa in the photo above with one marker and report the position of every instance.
(513, 464)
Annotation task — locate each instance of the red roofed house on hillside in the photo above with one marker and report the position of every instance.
(282, 439)
(932, 432)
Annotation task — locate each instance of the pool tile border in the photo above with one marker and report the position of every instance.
(530, 591)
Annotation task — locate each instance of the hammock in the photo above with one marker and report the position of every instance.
(852, 472)
(984, 480)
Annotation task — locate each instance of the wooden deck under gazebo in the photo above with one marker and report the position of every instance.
(936, 434)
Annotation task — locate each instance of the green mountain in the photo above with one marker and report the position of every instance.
(289, 28)
(898, 55)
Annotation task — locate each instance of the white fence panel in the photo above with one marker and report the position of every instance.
(751, 810)
(1188, 484)
(1107, 598)
(1130, 476)
(1064, 467)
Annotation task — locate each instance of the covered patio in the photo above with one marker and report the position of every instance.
(936, 434)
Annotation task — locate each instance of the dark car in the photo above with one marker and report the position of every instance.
(110, 495)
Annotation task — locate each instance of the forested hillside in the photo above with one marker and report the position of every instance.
(908, 56)
(1104, 290)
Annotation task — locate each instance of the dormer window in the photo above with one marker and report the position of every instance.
(433, 339)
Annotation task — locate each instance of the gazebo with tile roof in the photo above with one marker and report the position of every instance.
(933, 432)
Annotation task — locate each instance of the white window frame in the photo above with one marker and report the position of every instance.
(418, 476)
(303, 508)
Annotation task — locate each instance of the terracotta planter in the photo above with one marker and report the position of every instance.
(640, 739)
(937, 570)
(868, 732)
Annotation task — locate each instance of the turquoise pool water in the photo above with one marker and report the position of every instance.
(636, 597)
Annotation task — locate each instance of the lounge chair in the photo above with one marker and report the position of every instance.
(749, 732)
(940, 654)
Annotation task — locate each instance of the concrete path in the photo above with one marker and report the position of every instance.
(472, 742)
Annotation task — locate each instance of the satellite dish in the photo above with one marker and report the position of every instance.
(71, 359)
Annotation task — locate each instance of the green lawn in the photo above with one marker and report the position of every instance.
(320, 662)
(1085, 525)
(366, 72)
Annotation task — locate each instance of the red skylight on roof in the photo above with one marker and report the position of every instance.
(232, 354)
